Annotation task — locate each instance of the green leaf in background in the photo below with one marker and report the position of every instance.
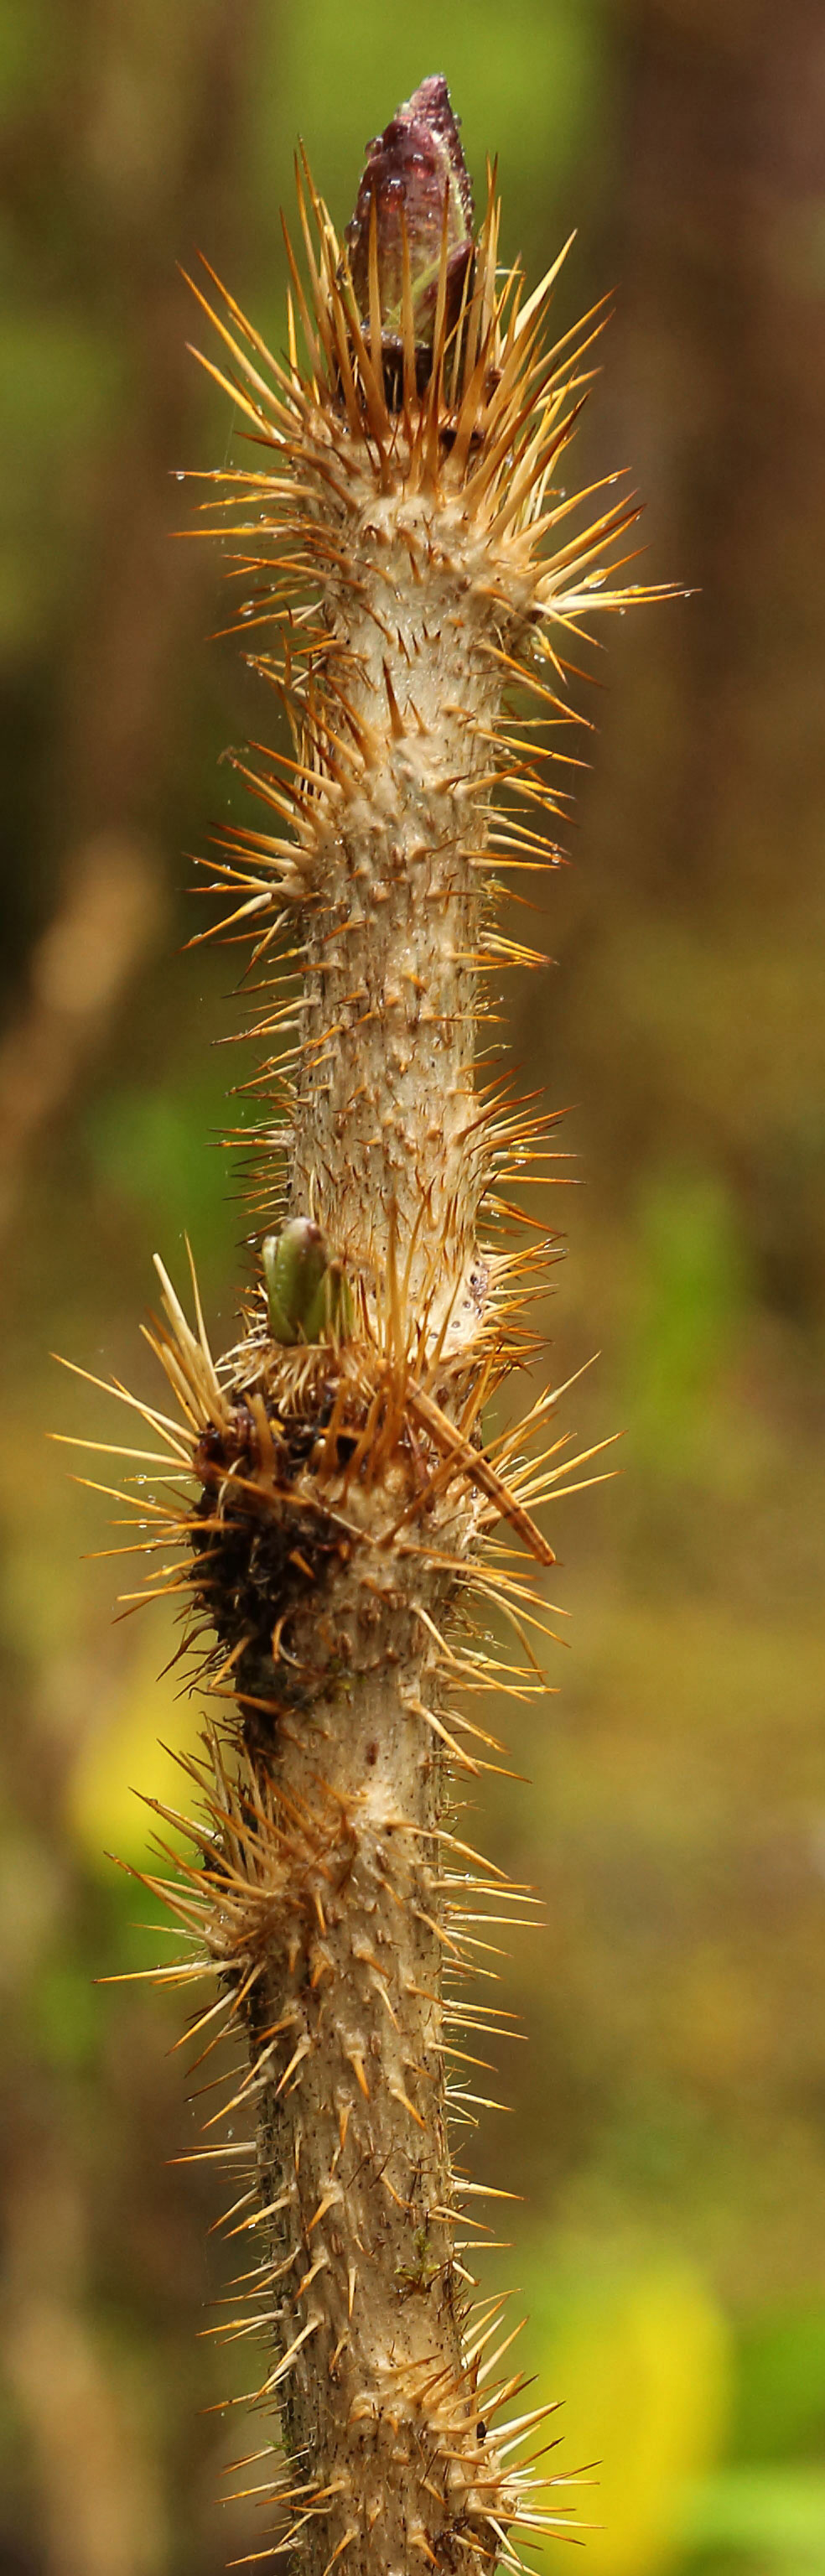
(775, 2518)
(60, 381)
(692, 1295)
(779, 2408)
(140, 1141)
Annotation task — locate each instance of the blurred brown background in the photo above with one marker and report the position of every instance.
(668, 2128)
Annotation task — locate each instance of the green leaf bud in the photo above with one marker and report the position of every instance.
(294, 1264)
(308, 1298)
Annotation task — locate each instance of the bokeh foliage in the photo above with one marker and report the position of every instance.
(667, 2129)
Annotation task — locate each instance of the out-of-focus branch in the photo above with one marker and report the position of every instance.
(80, 968)
(99, 2499)
(118, 727)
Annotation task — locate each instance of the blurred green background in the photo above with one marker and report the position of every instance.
(668, 2111)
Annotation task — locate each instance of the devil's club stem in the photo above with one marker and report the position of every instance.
(400, 515)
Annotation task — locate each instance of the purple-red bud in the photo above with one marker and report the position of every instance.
(413, 170)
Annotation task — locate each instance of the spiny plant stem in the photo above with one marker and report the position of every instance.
(412, 566)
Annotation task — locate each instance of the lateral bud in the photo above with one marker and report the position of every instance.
(416, 177)
(306, 1293)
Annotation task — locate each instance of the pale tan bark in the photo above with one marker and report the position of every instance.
(384, 1105)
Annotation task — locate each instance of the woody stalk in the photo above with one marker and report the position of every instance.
(413, 584)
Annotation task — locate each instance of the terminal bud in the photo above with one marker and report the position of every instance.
(416, 178)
